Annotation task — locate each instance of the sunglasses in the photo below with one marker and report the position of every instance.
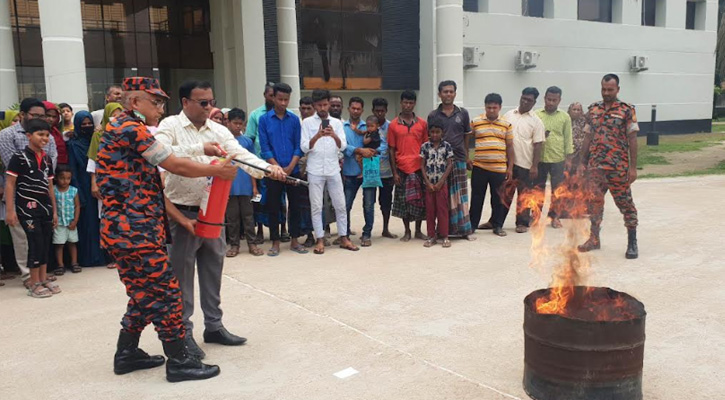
(204, 103)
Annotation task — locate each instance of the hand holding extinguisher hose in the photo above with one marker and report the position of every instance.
(289, 179)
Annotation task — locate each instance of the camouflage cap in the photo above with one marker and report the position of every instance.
(149, 85)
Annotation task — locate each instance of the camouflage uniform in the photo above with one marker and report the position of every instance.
(132, 228)
(608, 164)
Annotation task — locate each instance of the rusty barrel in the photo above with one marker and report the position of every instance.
(568, 358)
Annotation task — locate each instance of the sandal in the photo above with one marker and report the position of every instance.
(318, 250)
(366, 242)
(446, 243)
(5, 277)
(52, 286)
(39, 291)
(350, 247)
(256, 251)
(429, 242)
(112, 265)
(273, 252)
(233, 251)
(299, 249)
(27, 283)
(60, 271)
(52, 278)
(75, 268)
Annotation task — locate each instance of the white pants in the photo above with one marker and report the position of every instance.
(20, 246)
(337, 194)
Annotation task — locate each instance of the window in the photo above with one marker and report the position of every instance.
(595, 10)
(691, 14)
(340, 45)
(649, 12)
(532, 8)
(471, 6)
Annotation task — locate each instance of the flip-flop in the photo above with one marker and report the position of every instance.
(366, 242)
(319, 251)
(352, 247)
(273, 252)
(256, 252)
(299, 249)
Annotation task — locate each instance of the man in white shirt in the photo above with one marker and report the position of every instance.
(529, 136)
(323, 138)
(113, 95)
(191, 134)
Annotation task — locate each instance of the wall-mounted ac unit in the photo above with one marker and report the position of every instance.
(639, 63)
(471, 57)
(526, 59)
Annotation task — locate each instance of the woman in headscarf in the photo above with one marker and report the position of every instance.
(12, 117)
(52, 116)
(89, 224)
(580, 129)
(217, 116)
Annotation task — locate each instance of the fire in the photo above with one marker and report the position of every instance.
(570, 267)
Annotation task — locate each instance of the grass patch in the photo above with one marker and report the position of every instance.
(656, 155)
(651, 159)
(719, 169)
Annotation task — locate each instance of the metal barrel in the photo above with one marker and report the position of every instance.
(567, 359)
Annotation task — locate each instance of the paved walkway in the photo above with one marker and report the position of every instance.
(416, 323)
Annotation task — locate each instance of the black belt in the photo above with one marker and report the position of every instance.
(187, 208)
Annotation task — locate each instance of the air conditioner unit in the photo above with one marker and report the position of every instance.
(639, 63)
(526, 59)
(471, 57)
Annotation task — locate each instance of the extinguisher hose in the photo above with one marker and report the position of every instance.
(290, 179)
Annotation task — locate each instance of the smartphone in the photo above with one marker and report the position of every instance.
(257, 198)
(325, 123)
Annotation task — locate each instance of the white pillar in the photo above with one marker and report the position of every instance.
(64, 59)
(675, 11)
(449, 43)
(511, 7)
(627, 12)
(289, 65)
(427, 93)
(561, 9)
(8, 77)
(706, 16)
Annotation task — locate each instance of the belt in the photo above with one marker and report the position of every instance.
(187, 208)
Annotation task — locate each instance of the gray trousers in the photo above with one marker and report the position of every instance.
(240, 214)
(185, 253)
(20, 247)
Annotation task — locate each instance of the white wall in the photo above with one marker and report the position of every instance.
(576, 54)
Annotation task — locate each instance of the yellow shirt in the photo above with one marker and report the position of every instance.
(491, 139)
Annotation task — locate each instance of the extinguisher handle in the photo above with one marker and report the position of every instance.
(289, 179)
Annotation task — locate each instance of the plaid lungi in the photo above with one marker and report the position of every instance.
(402, 208)
(460, 221)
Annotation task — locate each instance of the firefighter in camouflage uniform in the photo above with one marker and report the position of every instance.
(610, 155)
(133, 232)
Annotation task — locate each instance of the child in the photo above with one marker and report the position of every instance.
(30, 201)
(240, 211)
(372, 137)
(69, 210)
(436, 164)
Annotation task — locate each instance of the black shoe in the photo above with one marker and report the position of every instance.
(592, 244)
(130, 358)
(193, 348)
(632, 250)
(181, 366)
(499, 232)
(222, 336)
(285, 238)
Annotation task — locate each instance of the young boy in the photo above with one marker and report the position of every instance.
(240, 212)
(372, 137)
(436, 164)
(30, 201)
(69, 210)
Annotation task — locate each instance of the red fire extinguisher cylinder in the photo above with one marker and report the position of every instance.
(213, 207)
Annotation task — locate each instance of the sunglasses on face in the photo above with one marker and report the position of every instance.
(204, 103)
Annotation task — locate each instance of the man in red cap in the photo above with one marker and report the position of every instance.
(133, 232)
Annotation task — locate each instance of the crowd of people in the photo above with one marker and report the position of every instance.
(123, 186)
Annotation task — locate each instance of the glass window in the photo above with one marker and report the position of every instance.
(340, 44)
(470, 5)
(532, 8)
(690, 14)
(595, 10)
(649, 11)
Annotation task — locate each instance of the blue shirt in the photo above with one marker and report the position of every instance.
(242, 185)
(252, 127)
(385, 170)
(350, 167)
(280, 138)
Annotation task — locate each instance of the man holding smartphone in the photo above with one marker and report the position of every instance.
(323, 138)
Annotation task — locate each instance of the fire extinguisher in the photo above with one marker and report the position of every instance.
(213, 206)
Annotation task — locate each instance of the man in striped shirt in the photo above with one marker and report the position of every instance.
(493, 162)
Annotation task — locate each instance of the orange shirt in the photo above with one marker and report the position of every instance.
(407, 139)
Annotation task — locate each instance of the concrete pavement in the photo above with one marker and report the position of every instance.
(416, 323)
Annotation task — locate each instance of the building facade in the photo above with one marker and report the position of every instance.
(663, 50)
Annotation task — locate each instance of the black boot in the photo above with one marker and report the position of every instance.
(183, 367)
(593, 243)
(130, 358)
(632, 250)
